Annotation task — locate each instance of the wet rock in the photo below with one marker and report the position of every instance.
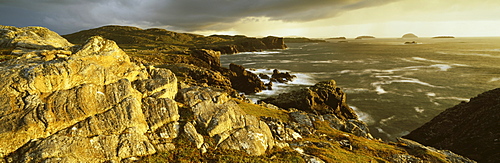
(282, 77)
(245, 81)
(322, 98)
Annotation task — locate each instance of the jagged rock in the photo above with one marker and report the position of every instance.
(264, 76)
(358, 128)
(281, 77)
(201, 75)
(220, 117)
(210, 56)
(470, 129)
(281, 130)
(193, 135)
(450, 156)
(244, 80)
(322, 98)
(83, 107)
(162, 84)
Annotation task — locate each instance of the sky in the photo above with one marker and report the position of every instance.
(285, 18)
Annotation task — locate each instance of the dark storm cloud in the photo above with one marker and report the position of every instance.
(67, 16)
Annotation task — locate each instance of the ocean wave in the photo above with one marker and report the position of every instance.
(494, 79)
(363, 116)
(385, 120)
(261, 52)
(418, 109)
(468, 54)
(453, 98)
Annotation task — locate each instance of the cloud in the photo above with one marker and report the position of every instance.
(66, 16)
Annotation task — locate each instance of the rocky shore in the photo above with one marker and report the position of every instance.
(93, 102)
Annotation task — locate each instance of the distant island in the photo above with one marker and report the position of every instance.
(409, 35)
(364, 37)
(444, 37)
(337, 38)
(301, 40)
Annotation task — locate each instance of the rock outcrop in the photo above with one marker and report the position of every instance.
(244, 80)
(322, 98)
(219, 117)
(89, 103)
(469, 129)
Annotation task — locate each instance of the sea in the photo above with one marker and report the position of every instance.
(394, 87)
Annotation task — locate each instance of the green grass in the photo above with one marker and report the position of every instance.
(258, 111)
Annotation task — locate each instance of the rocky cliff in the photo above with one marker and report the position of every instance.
(470, 128)
(61, 102)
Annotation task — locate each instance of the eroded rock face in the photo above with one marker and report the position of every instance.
(31, 38)
(210, 56)
(244, 80)
(322, 98)
(218, 116)
(92, 104)
(470, 129)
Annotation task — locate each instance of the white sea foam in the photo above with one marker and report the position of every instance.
(494, 79)
(327, 61)
(302, 79)
(453, 98)
(469, 54)
(363, 116)
(418, 109)
(380, 90)
(427, 60)
(385, 120)
(442, 67)
(431, 94)
(262, 52)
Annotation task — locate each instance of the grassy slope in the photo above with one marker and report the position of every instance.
(323, 144)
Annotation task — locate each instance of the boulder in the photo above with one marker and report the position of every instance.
(469, 128)
(322, 98)
(245, 81)
(31, 38)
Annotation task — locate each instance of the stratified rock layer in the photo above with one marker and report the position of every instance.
(470, 129)
(84, 103)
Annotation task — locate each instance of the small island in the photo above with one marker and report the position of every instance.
(444, 37)
(409, 35)
(364, 37)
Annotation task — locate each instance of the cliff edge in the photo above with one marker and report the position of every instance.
(470, 129)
